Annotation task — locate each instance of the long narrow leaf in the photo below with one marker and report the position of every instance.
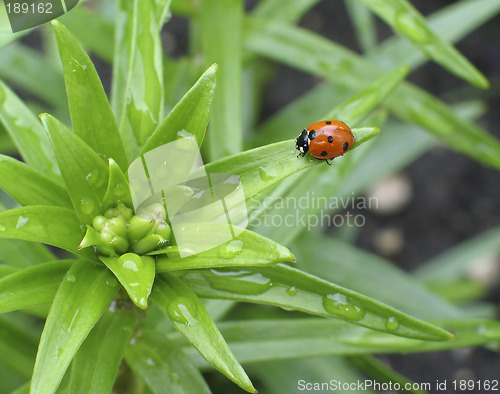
(221, 43)
(78, 305)
(32, 286)
(451, 23)
(27, 133)
(21, 254)
(263, 167)
(41, 223)
(311, 53)
(97, 361)
(246, 249)
(90, 111)
(259, 341)
(22, 65)
(191, 113)
(138, 75)
(30, 187)
(407, 21)
(85, 174)
(17, 345)
(163, 365)
(290, 288)
(191, 319)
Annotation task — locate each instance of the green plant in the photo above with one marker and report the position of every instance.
(112, 327)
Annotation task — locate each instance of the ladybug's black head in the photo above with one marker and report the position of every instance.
(302, 142)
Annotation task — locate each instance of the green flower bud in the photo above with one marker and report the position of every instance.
(120, 210)
(112, 212)
(118, 225)
(119, 244)
(138, 228)
(163, 230)
(148, 244)
(99, 222)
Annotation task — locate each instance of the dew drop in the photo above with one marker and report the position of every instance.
(392, 323)
(86, 206)
(291, 291)
(150, 361)
(112, 306)
(22, 221)
(59, 352)
(174, 377)
(71, 278)
(2, 228)
(338, 304)
(265, 174)
(130, 265)
(119, 189)
(183, 310)
(231, 250)
(241, 282)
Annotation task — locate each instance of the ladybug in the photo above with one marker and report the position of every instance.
(325, 140)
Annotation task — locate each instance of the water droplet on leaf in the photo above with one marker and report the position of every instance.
(392, 323)
(231, 250)
(183, 310)
(338, 304)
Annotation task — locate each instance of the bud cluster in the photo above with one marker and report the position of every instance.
(118, 231)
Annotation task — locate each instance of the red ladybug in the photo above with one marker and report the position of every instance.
(325, 140)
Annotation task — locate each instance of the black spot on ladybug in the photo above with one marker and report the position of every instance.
(324, 153)
(330, 139)
(312, 135)
(328, 122)
(345, 146)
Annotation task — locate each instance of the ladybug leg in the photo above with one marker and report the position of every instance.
(327, 162)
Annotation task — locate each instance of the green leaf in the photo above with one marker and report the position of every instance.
(364, 24)
(23, 254)
(375, 277)
(21, 65)
(309, 52)
(17, 345)
(85, 174)
(30, 187)
(32, 286)
(290, 288)
(283, 10)
(407, 21)
(453, 263)
(451, 23)
(263, 167)
(221, 34)
(358, 107)
(191, 319)
(191, 113)
(90, 112)
(95, 31)
(163, 365)
(247, 248)
(77, 306)
(379, 371)
(118, 190)
(96, 363)
(261, 340)
(137, 94)
(351, 111)
(135, 273)
(54, 226)
(27, 133)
